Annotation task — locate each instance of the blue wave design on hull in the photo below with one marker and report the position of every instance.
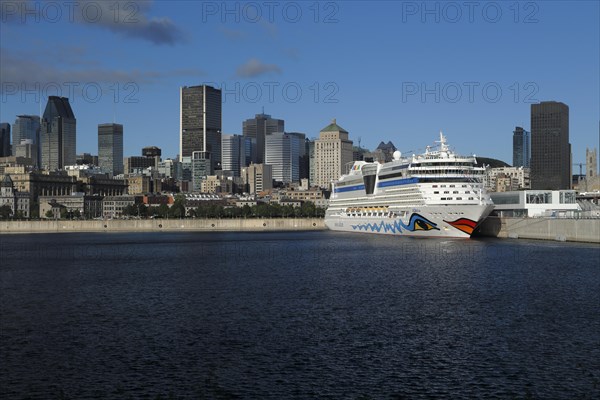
(416, 222)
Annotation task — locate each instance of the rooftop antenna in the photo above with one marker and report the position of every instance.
(359, 143)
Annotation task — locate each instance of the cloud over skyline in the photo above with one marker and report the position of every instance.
(254, 67)
(130, 18)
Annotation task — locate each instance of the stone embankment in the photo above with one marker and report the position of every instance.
(158, 225)
(561, 229)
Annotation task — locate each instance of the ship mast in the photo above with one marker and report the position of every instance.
(442, 142)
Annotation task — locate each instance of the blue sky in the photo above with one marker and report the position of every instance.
(398, 71)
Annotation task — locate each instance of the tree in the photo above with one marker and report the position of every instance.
(34, 210)
(246, 211)
(49, 214)
(5, 211)
(308, 209)
(128, 210)
(163, 211)
(142, 210)
(177, 210)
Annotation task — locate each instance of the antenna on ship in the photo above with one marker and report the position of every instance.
(442, 142)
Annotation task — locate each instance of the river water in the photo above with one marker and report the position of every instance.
(296, 315)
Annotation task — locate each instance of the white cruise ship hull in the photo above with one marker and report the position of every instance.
(436, 194)
(456, 221)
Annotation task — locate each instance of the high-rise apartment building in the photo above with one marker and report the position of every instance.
(550, 147)
(333, 153)
(200, 123)
(58, 134)
(110, 148)
(521, 147)
(258, 128)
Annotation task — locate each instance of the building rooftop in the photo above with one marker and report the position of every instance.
(333, 127)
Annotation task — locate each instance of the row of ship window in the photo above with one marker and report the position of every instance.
(458, 198)
(448, 186)
(373, 214)
(454, 192)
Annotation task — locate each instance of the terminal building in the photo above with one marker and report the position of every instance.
(536, 203)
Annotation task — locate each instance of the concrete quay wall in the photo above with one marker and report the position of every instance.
(158, 225)
(560, 229)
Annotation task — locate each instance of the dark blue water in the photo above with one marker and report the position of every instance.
(296, 315)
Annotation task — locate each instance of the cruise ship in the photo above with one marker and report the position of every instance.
(434, 194)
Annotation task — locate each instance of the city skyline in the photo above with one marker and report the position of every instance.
(398, 98)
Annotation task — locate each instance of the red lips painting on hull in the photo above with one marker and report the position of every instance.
(463, 224)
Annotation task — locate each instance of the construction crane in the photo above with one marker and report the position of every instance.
(580, 176)
(580, 168)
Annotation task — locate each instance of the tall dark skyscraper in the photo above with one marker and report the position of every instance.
(550, 147)
(58, 134)
(110, 148)
(521, 147)
(258, 128)
(200, 123)
(5, 139)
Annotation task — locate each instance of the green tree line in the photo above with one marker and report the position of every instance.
(262, 210)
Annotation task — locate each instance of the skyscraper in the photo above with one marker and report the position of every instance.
(201, 168)
(550, 147)
(26, 127)
(310, 152)
(521, 147)
(5, 139)
(257, 128)
(236, 153)
(152, 152)
(333, 151)
(302, 154)
(282, 154)
(110, 148)
(200, 123)
(58, 134)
